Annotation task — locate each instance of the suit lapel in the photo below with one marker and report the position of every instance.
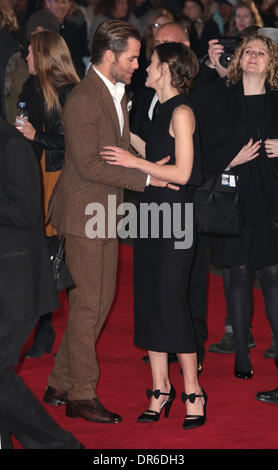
(125, 136)
(107, 100)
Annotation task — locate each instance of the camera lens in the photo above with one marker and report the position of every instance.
(225, 59)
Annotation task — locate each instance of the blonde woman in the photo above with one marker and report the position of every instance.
(243, 136)
(49, 61)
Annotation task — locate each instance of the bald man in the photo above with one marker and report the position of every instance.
(170, 32)
(145, 99)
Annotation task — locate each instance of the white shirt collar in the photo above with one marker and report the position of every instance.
(117, 90)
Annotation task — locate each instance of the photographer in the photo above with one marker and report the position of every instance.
(241, 131)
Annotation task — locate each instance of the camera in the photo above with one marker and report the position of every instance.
(230, 45)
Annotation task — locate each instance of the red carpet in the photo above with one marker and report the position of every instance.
(235, 419)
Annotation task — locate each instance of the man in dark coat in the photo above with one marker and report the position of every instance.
(27, 290)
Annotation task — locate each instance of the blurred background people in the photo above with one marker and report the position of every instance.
(222, 14)
(202, 29)
(13, 69)
(245, 15)
(41, 20)
(113, 10)
(155, 19)
(266, 11)
(270, 15)
(73, 33)
(50, 63)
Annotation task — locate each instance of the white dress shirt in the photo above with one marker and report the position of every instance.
(152, 106)
(117, 93)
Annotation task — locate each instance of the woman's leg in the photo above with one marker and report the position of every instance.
(160, 375)
(268, 277)
(240, 307)
(191, 384)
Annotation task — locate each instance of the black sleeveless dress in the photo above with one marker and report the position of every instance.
(162, 319)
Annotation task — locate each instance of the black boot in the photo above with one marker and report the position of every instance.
(44, 338)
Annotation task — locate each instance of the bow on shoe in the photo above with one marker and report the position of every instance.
(155, 393)
(191, 397)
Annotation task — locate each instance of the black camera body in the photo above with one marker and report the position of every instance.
(230, 45)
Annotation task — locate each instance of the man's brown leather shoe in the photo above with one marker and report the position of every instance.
(55, 397)
(91, 410)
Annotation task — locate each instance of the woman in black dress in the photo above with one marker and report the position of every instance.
(243, 131)
(162, 263)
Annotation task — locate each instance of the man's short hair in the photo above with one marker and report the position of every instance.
(112, 35)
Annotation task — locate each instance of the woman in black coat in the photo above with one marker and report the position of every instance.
(53, 77)
(242, 133)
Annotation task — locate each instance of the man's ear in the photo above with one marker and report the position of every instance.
(109, 56)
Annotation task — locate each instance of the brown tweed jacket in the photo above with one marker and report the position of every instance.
(90, 122)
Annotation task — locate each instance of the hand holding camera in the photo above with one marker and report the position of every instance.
(220, 53)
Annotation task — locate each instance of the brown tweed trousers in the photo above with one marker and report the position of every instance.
(90, 122)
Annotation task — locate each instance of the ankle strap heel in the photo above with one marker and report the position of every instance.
(193, 421)
(192, 396)
(149, 416)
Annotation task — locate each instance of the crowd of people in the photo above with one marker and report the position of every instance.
(202, 79)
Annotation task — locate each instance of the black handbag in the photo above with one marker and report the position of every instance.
(61, 273)
(217, 206)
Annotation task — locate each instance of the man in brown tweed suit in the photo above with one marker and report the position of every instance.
(95, 115)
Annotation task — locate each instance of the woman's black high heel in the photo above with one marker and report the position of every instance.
(192, 421)
(150, 416)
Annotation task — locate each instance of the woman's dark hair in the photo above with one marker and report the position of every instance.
(183, 64)
(112, 35)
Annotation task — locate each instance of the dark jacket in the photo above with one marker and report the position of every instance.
(76, 39)
(52, 137)
(50, 134)
(228, 130)
(27, 289)
(13, 73)
(200, 45)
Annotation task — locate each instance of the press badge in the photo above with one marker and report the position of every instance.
(228, 180)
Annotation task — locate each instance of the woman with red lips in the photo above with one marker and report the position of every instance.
(243, 132)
